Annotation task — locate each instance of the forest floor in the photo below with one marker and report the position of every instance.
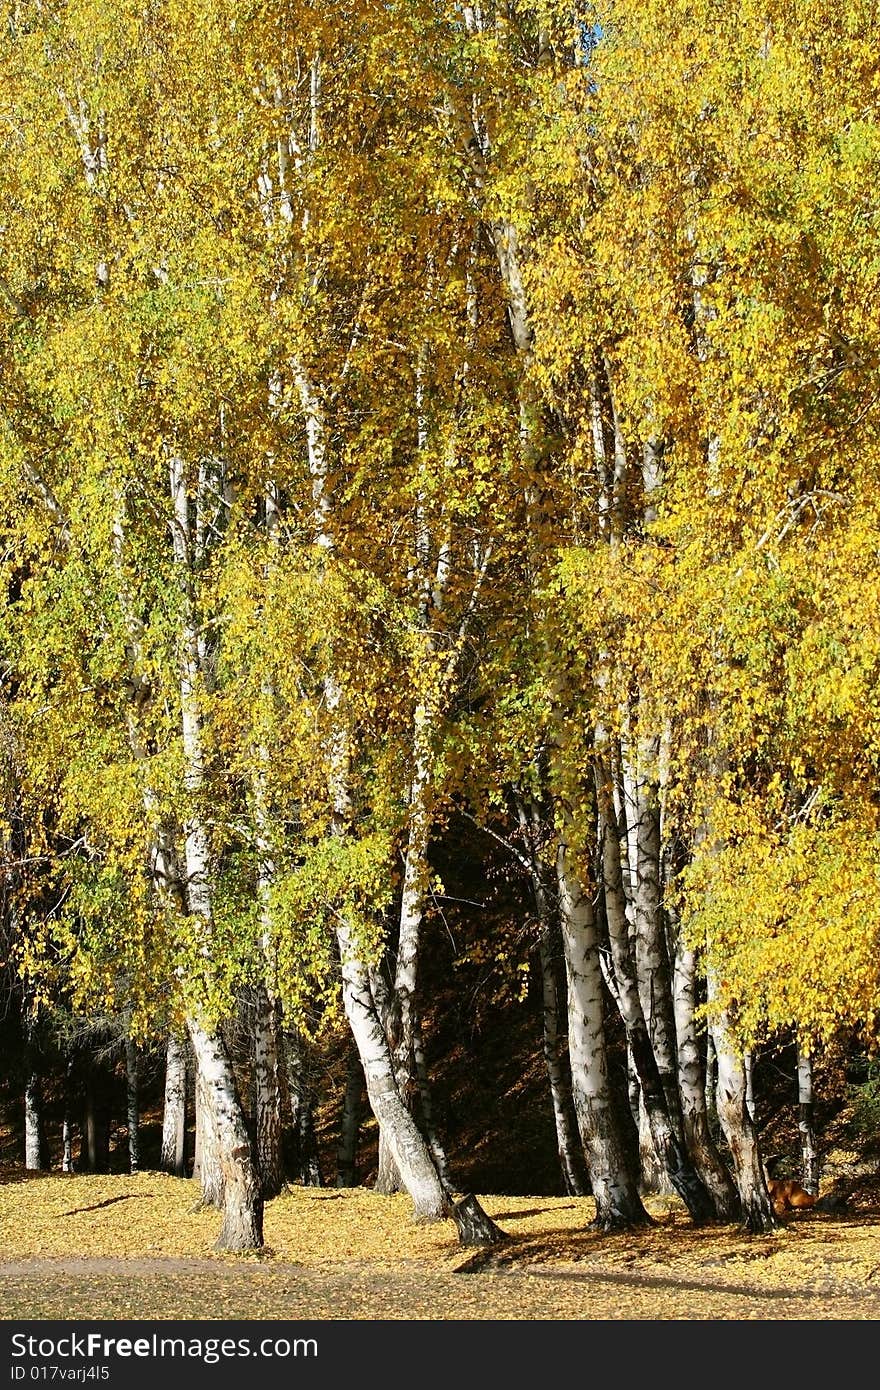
(113, 1246)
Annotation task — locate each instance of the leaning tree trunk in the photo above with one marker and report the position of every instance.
(401, 1133)
(736, 1123)
(809, 1153)
(695, 1117)
(172, 1157)
(431, 679)
(412, 1080)
(397, 1127)
(431, 1199)
(388, 1179)
(132, 1107)
(618, 1205)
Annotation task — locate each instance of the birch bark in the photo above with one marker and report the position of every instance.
(667, 1146)
(267, 1012)
(242, 1226)
(267, 1091)
(617, 1201)
(809, 1152)
(132, 1108)
(736, 1122)
(397, 1126)
(33, 1124)
(553, 1036)
(34, 1133)
(618, 1205)
(695, 1116)
(398, 1129)
(172, 1156)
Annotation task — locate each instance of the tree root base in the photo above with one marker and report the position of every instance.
(475, 1226)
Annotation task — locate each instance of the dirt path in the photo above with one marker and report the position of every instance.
(205, 1288)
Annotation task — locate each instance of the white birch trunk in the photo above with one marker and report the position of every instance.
(242, 1227)
(757, 1209)
(66, 1144)
(652, 959)
(749, 1069)
(667, 1146)
(809, 1153)
(206, 1161)
(33, 1124)
(396, 1125)
(571, 1160)
(34, 1133)
(408, 1149)
(388, 1180)
(132, 1098)
(412, 1077)
(695, 1117)
(415, 870)
(66, 1121)
(267, 1093)
(172, 1157)
(618, 1204)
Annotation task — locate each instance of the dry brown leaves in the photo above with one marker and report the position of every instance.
(118, 1246)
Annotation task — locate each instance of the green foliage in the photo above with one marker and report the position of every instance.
(264, 250)
(864, 1103)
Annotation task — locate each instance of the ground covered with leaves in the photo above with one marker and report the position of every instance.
(113, 1246)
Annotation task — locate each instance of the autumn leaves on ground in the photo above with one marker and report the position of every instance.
(116, 1246)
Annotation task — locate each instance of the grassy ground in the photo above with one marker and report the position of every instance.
(134, 1247)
